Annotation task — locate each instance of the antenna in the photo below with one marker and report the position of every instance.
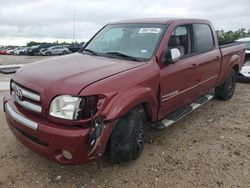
(74, 23)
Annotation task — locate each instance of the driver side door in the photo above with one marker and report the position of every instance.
(178, 80)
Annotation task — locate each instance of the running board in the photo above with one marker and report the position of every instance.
(181, 112)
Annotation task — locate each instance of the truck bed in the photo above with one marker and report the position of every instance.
(229, 44)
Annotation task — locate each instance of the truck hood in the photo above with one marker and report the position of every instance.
(70, 74)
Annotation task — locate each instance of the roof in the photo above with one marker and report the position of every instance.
(156, 20)
(246, 39)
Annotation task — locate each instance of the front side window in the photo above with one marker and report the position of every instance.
(203, 37)
(181, 39)
(134, 40)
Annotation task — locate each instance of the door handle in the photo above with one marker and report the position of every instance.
(193, 65)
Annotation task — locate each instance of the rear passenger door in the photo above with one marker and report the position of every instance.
(207, 57)
(195, 73)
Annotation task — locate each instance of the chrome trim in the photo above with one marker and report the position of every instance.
(166, 97)
(25, 92)
(29, 105)
(167, 122)
(24, 121)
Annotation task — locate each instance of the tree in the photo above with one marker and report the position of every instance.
(231, 36)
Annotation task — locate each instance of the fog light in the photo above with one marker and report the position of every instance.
(67, 154)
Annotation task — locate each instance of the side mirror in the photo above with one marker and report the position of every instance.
(175, 54)
(171, 56)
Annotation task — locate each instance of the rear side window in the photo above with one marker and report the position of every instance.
(203, 38)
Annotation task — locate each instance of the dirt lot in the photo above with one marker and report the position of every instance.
(208, 148)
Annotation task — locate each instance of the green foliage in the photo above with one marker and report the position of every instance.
(231, 36)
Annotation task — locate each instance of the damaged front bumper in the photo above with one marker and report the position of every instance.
(62, 144)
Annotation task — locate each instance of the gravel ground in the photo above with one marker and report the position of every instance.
(208, 148)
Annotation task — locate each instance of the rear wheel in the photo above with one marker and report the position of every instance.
(47, 53)
(64, 53)
(226, 90)
(127, 138)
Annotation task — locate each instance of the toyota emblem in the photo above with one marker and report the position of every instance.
(19, 95)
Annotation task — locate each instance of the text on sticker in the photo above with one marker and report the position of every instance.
(149, 30)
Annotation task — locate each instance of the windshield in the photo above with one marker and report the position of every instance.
(127, 40)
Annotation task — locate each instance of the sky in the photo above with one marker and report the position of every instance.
(52, 20)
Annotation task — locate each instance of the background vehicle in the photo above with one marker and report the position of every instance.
(131, 72)
(244, 75)
(247, 42)
(18, 50)
(75, 48)
(35, 50)
(4, 50)
(10, 52)
(55, 50)
(23, 51)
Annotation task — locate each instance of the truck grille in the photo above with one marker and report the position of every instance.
(26, 98)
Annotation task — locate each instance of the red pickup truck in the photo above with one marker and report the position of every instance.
(71, 109)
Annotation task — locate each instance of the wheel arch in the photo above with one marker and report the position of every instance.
(233, 63)
(120, 104)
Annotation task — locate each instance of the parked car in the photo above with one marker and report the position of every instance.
(244, 74)
(17, 50)
(42, 50)
(10, 51)
(246, 40)
(35, 50)
(4, 50)
(55, 50)
(24, 51)
(75, 48)
(130, 74)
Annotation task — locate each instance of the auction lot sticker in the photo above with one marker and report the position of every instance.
(150, 30)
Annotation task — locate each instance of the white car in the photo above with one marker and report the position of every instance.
(10, 52)
(246, 40)
(17, 50)
(56, 50)
(244, 75)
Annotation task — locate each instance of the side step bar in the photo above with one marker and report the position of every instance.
(180, 113)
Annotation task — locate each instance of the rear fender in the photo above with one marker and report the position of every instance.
(127, 100)
(234, 61)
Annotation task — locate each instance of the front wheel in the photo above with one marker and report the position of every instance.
(226, 90)
(127, 138)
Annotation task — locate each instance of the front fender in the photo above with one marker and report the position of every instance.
(127, 100)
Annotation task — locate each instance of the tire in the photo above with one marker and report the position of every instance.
(48, 53)
(64, 53)
(127, 138)
(226, 90)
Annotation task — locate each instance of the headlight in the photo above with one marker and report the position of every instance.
(65, 107)
(74, 108)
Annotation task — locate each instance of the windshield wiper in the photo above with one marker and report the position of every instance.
(90, 51)
(118, 54)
